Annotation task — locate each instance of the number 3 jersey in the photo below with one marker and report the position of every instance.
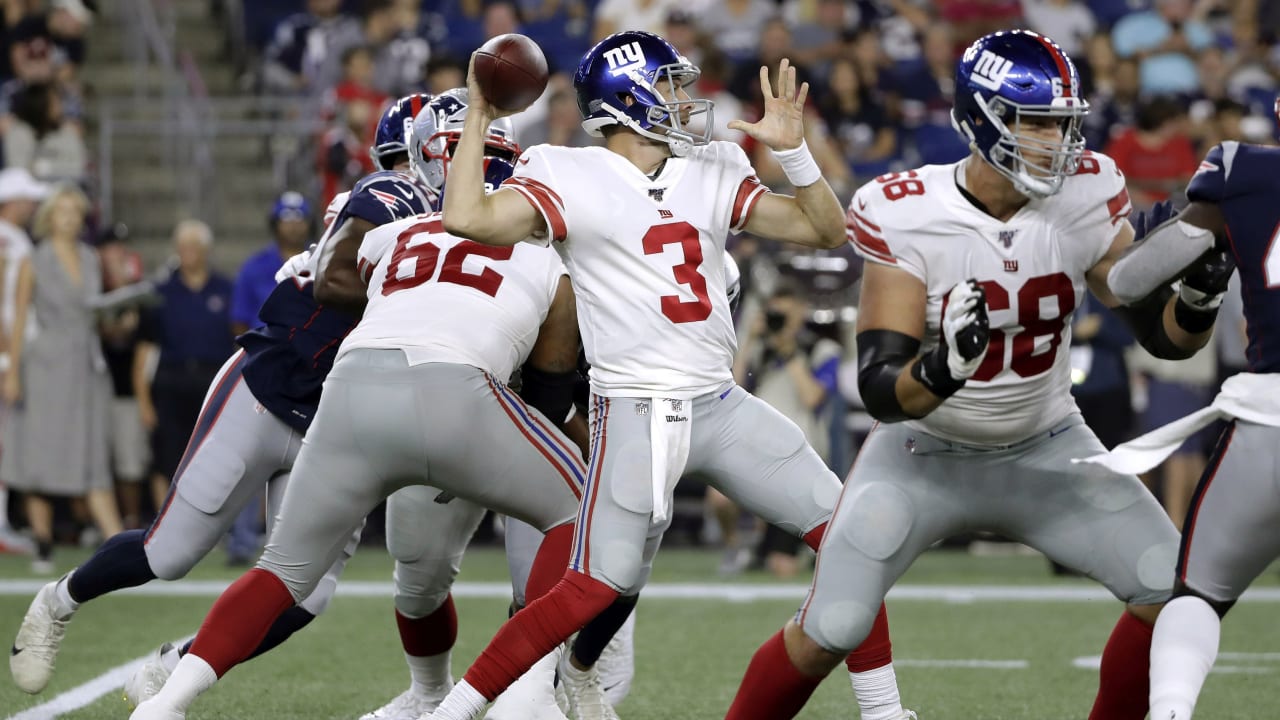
(440, 298)
(646, 255)
(1032, 268)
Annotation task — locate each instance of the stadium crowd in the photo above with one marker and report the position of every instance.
(1166, 80)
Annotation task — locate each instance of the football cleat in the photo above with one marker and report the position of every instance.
(408, 705)
(149, 678)
(617, 664)
(587, 700)
(153, 710)
(35, 649)
(533, 696)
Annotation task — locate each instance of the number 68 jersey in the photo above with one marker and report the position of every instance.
(1032, 268)
(646, 255)
(440, 298)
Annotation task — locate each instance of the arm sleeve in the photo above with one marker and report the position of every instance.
(374, 246)
(535, 181)
(872, 241)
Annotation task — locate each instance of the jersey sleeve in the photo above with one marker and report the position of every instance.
(1099, 207)
(335, 207)
(740, 177)
(375, 245)
(1212, 180)
(382, 198)
(535, 180)
(873, 240)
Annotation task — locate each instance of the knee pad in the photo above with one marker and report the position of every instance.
(838, 627)
(172, 563)
(1221, 607)
(877, 520)
(318, 601)
(422, 587)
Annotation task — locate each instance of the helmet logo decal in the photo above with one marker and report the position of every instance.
(991, 70)
(625, 58)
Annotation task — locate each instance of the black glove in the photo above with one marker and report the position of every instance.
(965, 334)
(1147, 220)
(1203, 285)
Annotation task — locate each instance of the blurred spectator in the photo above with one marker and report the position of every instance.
(357, 82)
(971, 19)
(499, 18)
(859, 126)
(1156, 156)
(119, 326)
(291, 225)
(344, 149)
(1165, 42)
(444, 72)
(613, 16)
(1114, 105)
(37, 137)
(304, 54)
(895, 26)
(737, 26)
(60, 441)
(561, 126)
(818, 28)
(398, 54)
(1068, 22)
(1100, 373)
(681, 30)
(186, 338)
(926, 90)
(774, 45)
(57, 36)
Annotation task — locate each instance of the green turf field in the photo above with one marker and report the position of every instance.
(1003, 659)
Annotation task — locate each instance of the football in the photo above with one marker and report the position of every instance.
(511, 71)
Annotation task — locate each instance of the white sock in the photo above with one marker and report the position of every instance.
(66, 606)
(1183, 648)
(430, 673)
(190, 678)
(877, 693)
(462, 703)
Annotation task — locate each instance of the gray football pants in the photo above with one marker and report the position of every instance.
(908, 490)
(1232, 532)
(384, 425)
(739, 444)
(237, 451)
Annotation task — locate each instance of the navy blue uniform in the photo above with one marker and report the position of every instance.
(1244, 182)
(289, 357)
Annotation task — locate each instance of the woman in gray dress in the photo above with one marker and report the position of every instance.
(58, 380)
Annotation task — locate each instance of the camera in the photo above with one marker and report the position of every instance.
(774, 320)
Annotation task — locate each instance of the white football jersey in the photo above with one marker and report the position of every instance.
(646, 255)
(1033, 270)
(444, 299)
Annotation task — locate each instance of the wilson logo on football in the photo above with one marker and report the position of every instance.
(991, 70)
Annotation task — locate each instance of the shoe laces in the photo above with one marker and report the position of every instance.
(588, 694)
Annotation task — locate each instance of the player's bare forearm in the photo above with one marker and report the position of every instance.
(822, 209)
(338, 282)
(1183, 340)
(813, 218)
(916, 399)
(501, 218)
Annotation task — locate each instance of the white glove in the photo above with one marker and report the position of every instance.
(296, 266)
(964, 326)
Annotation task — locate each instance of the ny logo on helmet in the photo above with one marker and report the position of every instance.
(991, 70)
(624, 58)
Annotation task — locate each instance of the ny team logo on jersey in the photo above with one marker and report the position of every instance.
(624, 59)
(991, 70)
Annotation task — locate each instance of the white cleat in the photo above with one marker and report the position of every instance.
(154, 710)
(35, 649)
(149, 678)
(587, 699)
(533, 696)
(909, 715)
(617, 664)
(411, 704)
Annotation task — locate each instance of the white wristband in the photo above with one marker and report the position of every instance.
(799, 165)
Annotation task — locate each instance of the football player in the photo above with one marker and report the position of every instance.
(641, 225)
(974, 270)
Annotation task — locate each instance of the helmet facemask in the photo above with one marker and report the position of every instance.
(680, 123)
(1036, 166)
(434, 138)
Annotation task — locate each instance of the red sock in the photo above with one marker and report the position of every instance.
(430, 635)
(876, 650)
(1124, 680)
(772, 689)
(534, 631)
(240, 618)
(550, 562)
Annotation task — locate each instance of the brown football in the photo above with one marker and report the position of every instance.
(511, 71)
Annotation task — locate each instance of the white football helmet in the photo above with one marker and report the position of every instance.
(437, 129)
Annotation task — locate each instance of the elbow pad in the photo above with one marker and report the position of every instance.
(550, 393)
(882, 354)
(1146, 319)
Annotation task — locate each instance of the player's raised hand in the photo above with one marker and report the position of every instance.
(782, 127)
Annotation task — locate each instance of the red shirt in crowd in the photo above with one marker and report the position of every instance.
(1153, 172)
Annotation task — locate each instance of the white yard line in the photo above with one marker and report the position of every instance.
(963, 663)
(86, 694)
(734, 592)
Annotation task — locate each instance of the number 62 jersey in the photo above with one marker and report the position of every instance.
(440, 298)
(1032, 268)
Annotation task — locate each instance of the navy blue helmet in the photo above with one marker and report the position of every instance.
(392, 135)
(1008, 83)
(644, 67)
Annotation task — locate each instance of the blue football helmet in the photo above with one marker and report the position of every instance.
(644, 67)
(392, 135)
(1007, 83)
(436, 131)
